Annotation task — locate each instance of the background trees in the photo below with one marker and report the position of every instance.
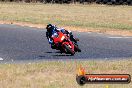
(117, 2)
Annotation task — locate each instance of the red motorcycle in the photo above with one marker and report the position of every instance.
(63, 43)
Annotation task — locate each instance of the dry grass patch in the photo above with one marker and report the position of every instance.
(60, 74)
(115, 20)
(84, 16)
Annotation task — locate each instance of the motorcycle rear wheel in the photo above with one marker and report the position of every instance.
(77, 47)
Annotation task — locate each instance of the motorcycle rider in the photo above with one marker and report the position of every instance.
(52, 31)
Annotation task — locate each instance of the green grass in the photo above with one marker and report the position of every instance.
(60, 74)
(84, 16)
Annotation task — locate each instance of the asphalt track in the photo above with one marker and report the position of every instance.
(19, 43)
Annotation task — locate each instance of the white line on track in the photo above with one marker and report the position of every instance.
(89, 32)
(100, 33)
(1, 59)
(119, 37)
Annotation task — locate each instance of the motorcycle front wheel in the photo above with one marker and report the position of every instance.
(69, 50)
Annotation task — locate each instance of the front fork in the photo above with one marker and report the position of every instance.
(71, 45)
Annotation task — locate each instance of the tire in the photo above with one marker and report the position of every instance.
(69, 50)
(81, 80)
(76, 48)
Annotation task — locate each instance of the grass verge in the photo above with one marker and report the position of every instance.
(75, 15)
(60, 74)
